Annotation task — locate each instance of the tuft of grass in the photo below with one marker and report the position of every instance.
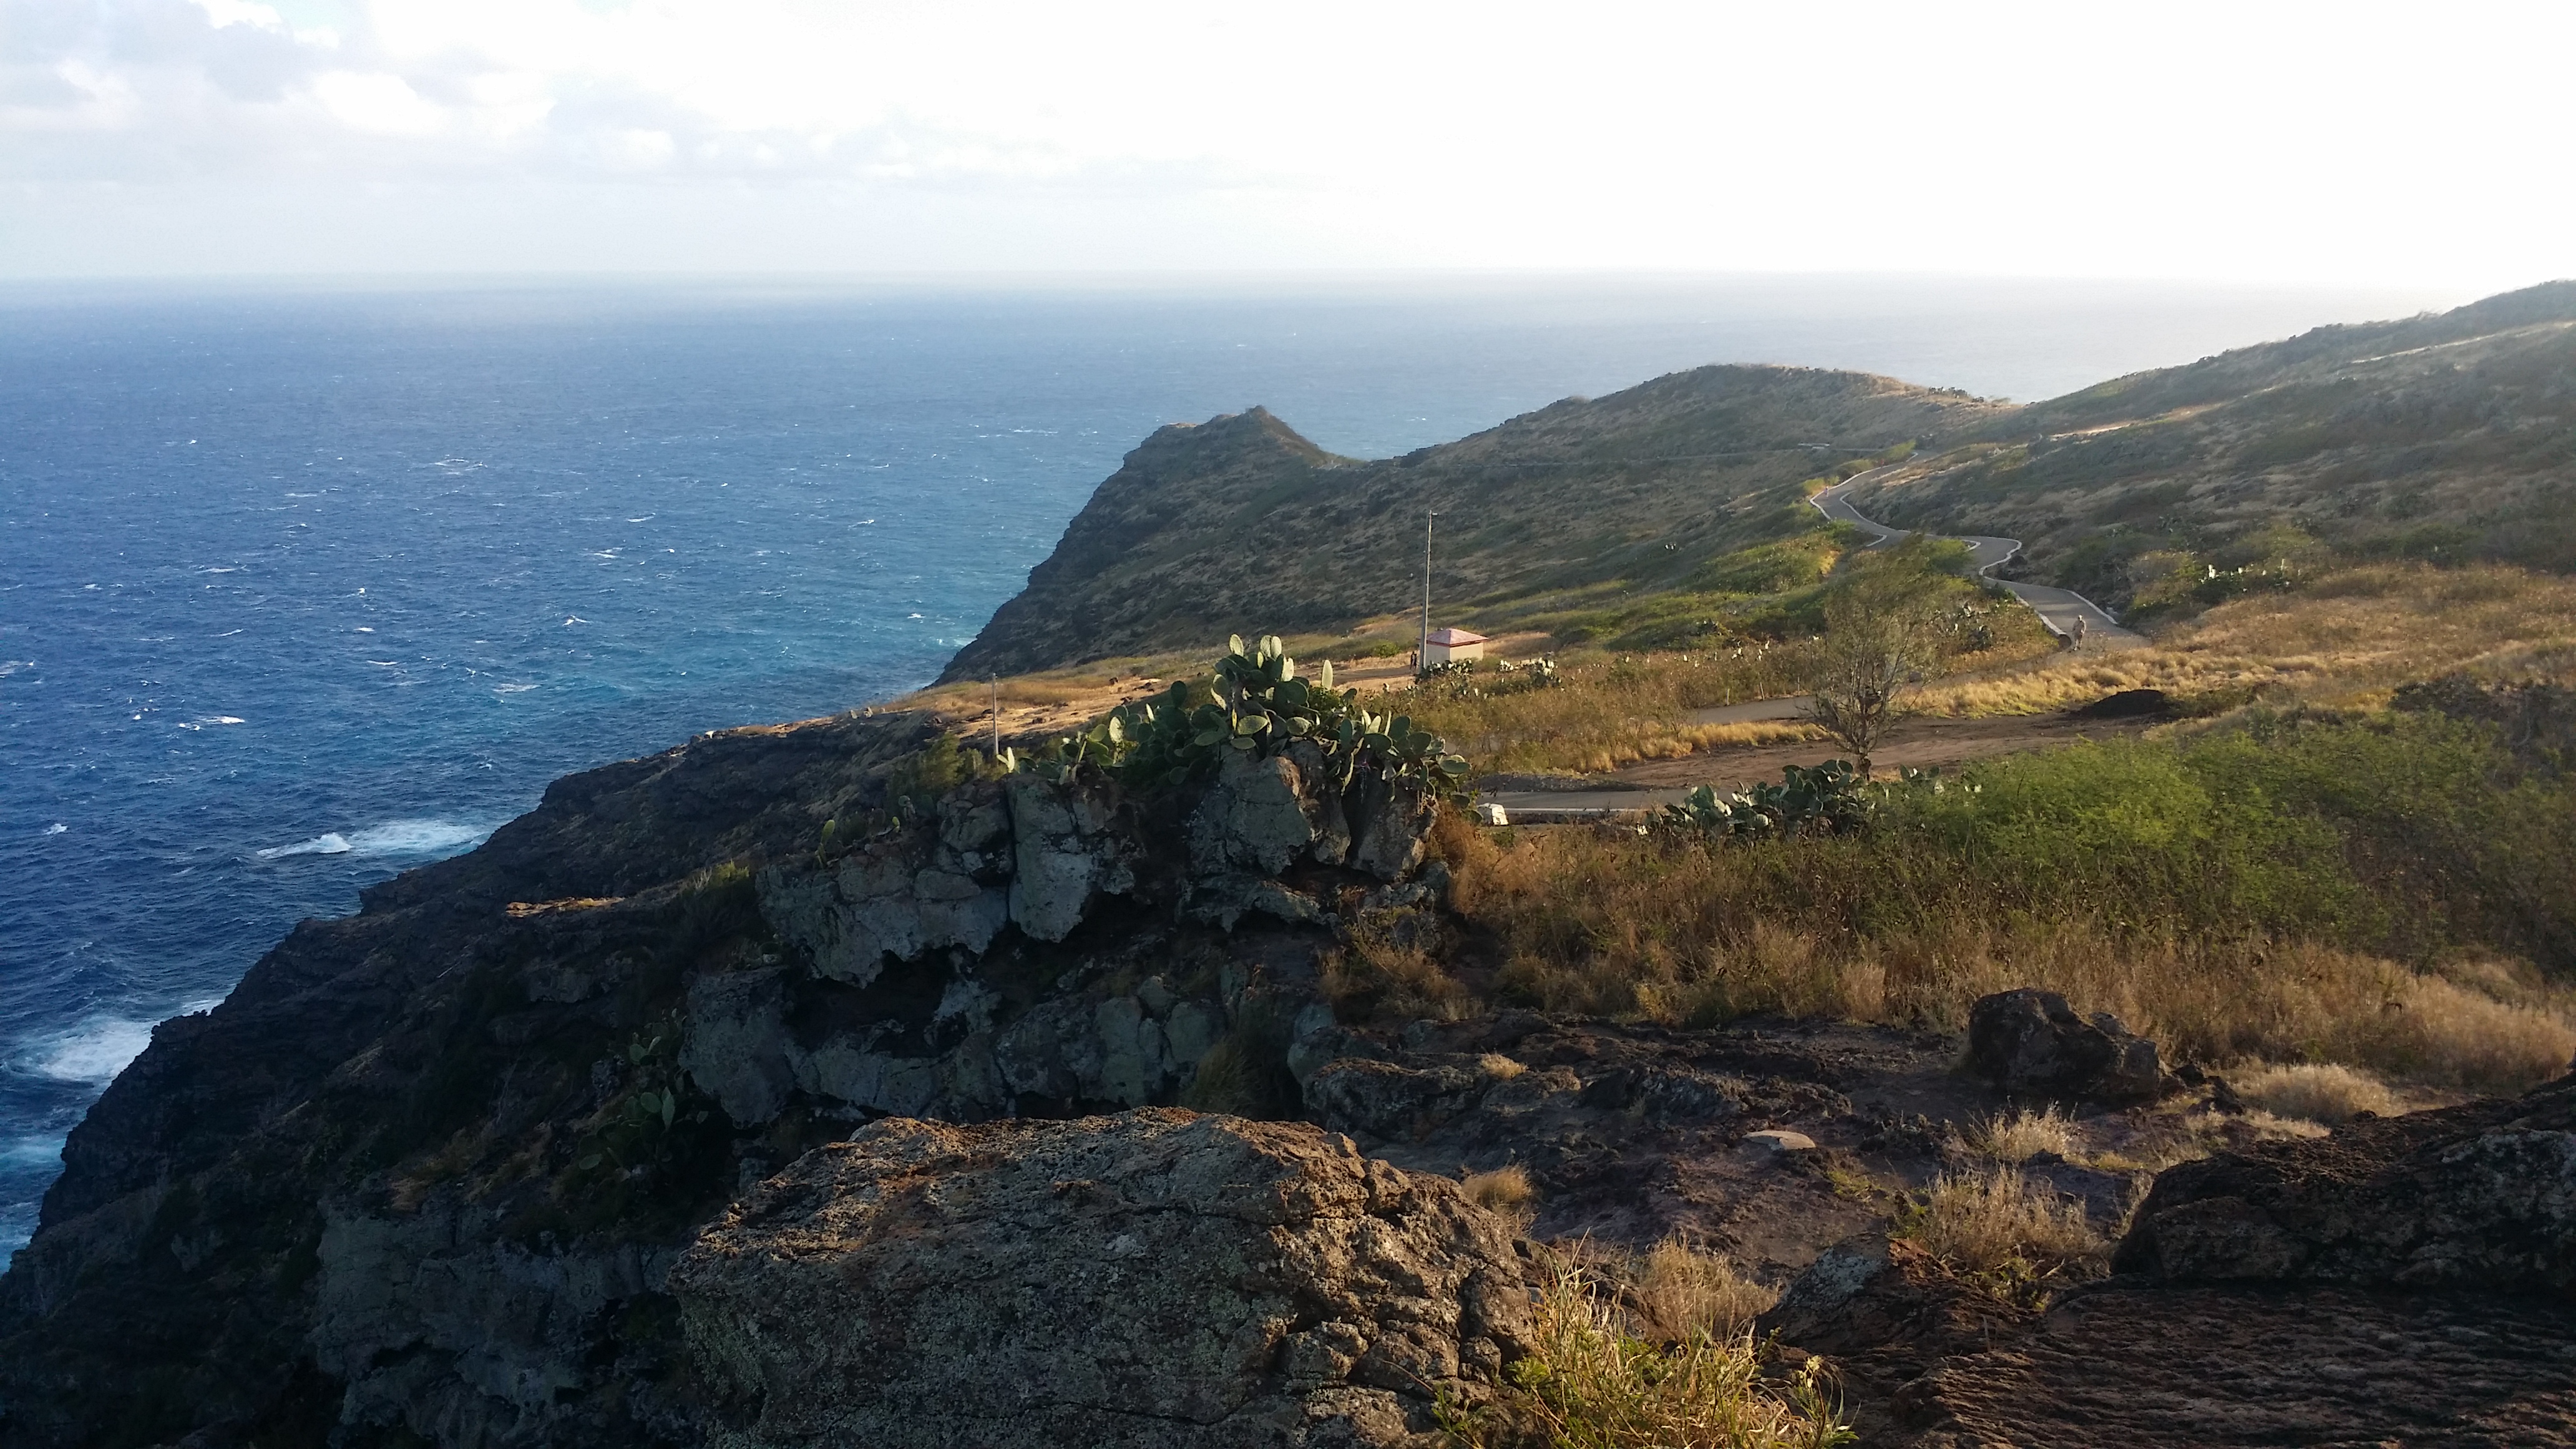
(1374, 979)
(1245, 1074)
(1681, 1292)
(1506, 1190)
(2004, 1231)
(1589, 1381)
(2017, 1137)
(2324, 1094)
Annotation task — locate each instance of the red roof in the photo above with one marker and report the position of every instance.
(1455, 637)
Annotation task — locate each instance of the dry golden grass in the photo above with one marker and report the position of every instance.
(2324, 1094)
(1507, 1190)
(1608, 710)
(1626, 927)
(2168, 1141)
(2017, 1137)
(2347, 639)
(1613, 710)
(1374, 979)
(1680, 1291)
(2002, 1224)
(1588, 1381)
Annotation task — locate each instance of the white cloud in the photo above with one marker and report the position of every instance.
(377, 103)
(221, 13)
(2289, 141)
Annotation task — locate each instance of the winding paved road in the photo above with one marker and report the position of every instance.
(2060, 609)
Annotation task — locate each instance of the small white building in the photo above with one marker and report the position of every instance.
(1446, 646)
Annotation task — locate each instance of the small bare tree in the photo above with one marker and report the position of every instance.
(1878, 642)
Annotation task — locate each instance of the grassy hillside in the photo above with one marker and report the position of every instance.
(1240, 525)
(2445, 438)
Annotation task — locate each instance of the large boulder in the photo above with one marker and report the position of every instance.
(1156, 1278)
(2481, 1196)
(2031, 1043)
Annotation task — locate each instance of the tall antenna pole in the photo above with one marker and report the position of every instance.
(1422, 655)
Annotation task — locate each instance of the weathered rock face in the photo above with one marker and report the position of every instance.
(420, 1178)
(2403, 1281)
(2032, 1044)
(1155, 1278)
(2479, 1196)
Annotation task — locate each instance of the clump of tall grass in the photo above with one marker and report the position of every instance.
(1590, 1381)
(2322, 1093)
(2001, 1229)
(1681, 1291)
(1376, 979)
(1506, 1190)
(2017, 1137)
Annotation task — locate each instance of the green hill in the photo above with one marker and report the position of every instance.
(1240, 525)
(1638, 516)
(2446, 437)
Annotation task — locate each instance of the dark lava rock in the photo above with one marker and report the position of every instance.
(2476, 1196)
(2405, 1281)
(2031, 1043)
(2127, 704)
(1156, 1278)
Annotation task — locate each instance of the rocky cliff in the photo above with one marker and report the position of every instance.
(424, 1176)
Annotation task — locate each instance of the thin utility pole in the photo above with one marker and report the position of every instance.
(994, 682)
(1422, 654)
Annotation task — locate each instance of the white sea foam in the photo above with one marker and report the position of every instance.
(94, 1051)
(328, 843)
(12, 666)
(394, 837)
(30, 1152)
(512, 688)
(56, 828)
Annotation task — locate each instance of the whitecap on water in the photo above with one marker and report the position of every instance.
(328, 843)
(24, 1152)
(56, 828)
(94, 1051)
(394, 837)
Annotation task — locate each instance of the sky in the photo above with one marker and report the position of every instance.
(2346, 144)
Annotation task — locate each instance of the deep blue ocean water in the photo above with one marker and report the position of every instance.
(301, 588)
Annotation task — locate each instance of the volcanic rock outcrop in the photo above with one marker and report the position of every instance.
(423, 1175)
(2481, 1196)
(1155, 1278)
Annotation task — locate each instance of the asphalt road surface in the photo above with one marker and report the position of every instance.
(2062, 610)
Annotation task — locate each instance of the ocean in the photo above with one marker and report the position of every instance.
(301, 586)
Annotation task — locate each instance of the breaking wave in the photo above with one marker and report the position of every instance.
(394, 837)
